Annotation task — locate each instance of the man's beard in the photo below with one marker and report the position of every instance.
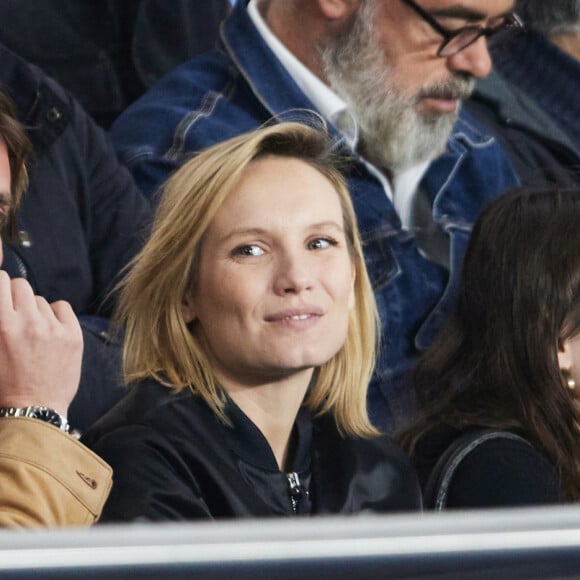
(394, 135)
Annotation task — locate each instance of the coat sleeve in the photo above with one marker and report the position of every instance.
(48, 477)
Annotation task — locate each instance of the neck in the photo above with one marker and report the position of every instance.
(298, 26)
(569, 43)
(272, 407)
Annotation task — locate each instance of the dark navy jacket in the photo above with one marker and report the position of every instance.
(227, 92)
(80, 221)
(539, 149)
(107, 53)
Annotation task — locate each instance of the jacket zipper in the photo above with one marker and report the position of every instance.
(295, 490)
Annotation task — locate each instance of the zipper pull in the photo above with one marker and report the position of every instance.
(296, 490)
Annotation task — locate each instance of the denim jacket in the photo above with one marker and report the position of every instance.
(236, 89)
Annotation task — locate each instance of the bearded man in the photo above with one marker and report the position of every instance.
(387, 77)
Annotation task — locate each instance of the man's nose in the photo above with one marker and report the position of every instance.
(474, 60)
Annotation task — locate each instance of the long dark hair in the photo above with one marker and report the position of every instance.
(495, 364)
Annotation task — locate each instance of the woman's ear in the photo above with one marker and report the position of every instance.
(187, 308)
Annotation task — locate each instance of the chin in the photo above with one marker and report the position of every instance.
(302, 361)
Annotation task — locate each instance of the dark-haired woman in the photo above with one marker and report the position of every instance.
(498, 383)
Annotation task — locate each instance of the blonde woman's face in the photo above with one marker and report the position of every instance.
(275, 281)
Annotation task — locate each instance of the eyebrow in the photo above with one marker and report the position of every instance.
(260, 231)
(465, 13)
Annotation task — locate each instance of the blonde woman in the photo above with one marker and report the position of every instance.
(250, 339)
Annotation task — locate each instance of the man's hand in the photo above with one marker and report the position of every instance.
(41, 348)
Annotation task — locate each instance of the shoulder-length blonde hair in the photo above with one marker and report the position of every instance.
(158, 342)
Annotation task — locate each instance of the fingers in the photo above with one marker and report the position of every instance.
(63, 312)
(6, 304)
(66, 316)
(18, 302)
(17, 295)
(42, 306)
(41, 347)
(23, 298)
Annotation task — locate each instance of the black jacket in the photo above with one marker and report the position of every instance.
(541, 152)
(173, 460)
(109, 52)
(498, 473)
(81, 220)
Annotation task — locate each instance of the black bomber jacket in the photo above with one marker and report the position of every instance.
(173, 459)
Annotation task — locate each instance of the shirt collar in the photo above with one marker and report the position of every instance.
(325, 100)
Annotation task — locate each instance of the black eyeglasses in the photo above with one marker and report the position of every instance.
(455, 41)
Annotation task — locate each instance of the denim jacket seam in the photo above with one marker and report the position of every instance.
(471, 135)
(448, 180)
(208, 104)
(136, 155)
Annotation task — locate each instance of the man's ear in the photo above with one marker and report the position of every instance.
(187, 308)
(564, 354)
(338, 9)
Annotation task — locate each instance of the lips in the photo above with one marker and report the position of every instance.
(298, 317)
(295, 314)
(446, 96)
(442, 105)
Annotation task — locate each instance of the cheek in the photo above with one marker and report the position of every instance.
(351, 298)
(340, 283)
(227, 297)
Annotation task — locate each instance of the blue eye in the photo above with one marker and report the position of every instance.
(321, 243)
(249, 250)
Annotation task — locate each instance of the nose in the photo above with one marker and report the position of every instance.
(293, 273)
(474, 60)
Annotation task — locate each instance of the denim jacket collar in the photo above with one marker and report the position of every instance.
(269, 80)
